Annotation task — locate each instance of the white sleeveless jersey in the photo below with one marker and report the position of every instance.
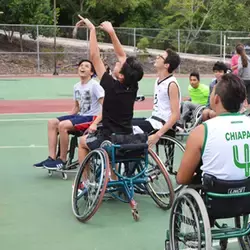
(226, 148)
(162, 108)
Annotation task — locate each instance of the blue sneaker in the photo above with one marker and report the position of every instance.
(57, 164)
(41, 164)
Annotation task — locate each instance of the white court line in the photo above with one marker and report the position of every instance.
(40, 119)
(48, 113)
(23, 147)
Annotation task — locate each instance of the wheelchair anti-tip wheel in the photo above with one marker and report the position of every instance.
(189, 223)
(90, 184)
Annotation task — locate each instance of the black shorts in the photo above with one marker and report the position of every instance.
(143, 124)
(94, 140)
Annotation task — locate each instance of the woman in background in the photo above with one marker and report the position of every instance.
(244, 68)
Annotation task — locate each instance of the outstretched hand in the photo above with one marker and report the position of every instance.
(86, 22)
(107, 26)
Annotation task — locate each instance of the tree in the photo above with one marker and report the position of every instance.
(190, 15)
(26, 12)
(230, 15)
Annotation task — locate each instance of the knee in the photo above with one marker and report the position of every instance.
(65, 126)
(53, 123)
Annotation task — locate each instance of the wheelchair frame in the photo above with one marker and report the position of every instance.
(222, 233)
(71, 164)
(124, 184)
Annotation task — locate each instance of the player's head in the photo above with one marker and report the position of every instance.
(228, 94)
(130, 72)
(194, 79)
(219, 70)
(86, 69)
(168, 60)
(239, 48)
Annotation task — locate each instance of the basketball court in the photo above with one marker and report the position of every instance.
(35, 209)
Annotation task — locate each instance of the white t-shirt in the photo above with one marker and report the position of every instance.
(225, 152)
(162, 107)
(88, 96)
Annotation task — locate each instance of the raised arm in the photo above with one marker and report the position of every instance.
(95, 56)
(107, 26)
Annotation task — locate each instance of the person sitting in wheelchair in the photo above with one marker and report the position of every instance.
(120, 92)
(167, 99)
(198, 95)
(88, 99)
(216, 146)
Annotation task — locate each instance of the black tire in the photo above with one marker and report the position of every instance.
(98, 161)
(167, 149)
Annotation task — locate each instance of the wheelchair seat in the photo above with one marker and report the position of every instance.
(129, 145)
(226, 199)
(77, 133)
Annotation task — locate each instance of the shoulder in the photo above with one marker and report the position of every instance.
(77, 85)
(203, 86)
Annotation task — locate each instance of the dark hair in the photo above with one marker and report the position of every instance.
(173, 59)
(195, 74)
(220, 66)
(241, 51)
(132, 71)
(232, 92)
(92, 66)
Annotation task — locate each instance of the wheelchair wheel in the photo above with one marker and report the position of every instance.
(189, 222)
(170, 151)
(244, 242)
(87, 194)
(159, 186)
(195, 120)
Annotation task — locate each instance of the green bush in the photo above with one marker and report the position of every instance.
(143, 44)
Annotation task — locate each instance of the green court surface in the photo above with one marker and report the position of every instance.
(61, 88)
(35, 210)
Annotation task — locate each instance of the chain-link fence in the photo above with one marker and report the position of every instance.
(49, 49)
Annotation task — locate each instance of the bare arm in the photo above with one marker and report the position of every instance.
(192, 156)
(95, 56)
(75, 109)
(175, 109)
(98, 119)
(107, 26)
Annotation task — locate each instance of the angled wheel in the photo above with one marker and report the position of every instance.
(90, 184)
(159, 186)
(170, 151)
(189, 222)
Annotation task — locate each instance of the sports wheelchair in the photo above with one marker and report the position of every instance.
(194, 119)
(196, 210)
(92, 179)
(170, 150)
(72, 164)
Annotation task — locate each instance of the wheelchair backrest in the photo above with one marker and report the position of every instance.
(233, 201)
(130, 145)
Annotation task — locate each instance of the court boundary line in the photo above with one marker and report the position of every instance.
(52, 113)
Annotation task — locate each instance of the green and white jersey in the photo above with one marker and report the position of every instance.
(225, 151)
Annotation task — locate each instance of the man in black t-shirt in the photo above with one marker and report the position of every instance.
(120, 91)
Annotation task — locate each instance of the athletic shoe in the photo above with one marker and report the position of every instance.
(57, 164)
(42, 163)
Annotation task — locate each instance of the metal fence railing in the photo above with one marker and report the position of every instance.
(53, 49)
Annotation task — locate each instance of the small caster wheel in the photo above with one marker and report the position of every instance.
(167, 245)
(223, 244)
(65, 176)
(135, 215)
(50, 173)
